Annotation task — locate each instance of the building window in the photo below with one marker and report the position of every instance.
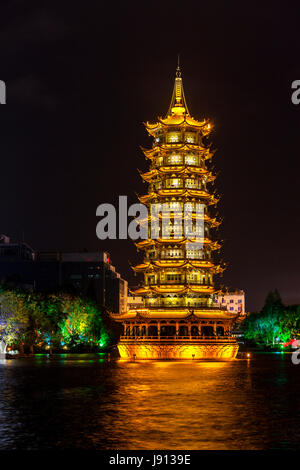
(175, 206)
(191, 183)
(173, 137)
(190, 137)
(190, 160)
(173, 183)
(175, 159)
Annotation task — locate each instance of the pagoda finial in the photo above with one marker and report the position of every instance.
(178, 103)
(178, 72)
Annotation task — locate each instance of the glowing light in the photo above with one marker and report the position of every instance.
(178, 174)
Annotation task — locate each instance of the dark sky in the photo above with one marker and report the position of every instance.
(81, 79)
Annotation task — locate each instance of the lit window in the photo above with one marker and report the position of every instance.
(191, 183)
(175, 159)
(190, 137)
(189, 206)
(173, 183)
(190, 160)
(176, 206)
(173, 137)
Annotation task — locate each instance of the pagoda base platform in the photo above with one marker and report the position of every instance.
(217, 349)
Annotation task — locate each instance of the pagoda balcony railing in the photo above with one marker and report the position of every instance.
(157, 186)
(179, 338)
(183, 281)
(180, 258)
(179, 210)
(178, 304)
(179, 141)
(191, 307)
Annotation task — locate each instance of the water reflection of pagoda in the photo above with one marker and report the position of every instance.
(179, 320)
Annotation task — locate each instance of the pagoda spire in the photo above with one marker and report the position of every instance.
(178, 102)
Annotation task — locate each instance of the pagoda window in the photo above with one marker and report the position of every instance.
(173, 183)
(172, 253)
(174, 159)
(177, 230)
(173, 277)
(183, 331)
(194, 254)
(190, 159)
(189, 206)
(174, 206)
(194, 330)
(193, 277)
(191, 183)
(220, 330)
(159, 137)
(190, 137)
(198, 230)
(136, 331)
(151, 279)
(207, 330)
(152, 330)
(173, 137)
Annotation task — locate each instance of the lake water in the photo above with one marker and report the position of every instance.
(88, 402)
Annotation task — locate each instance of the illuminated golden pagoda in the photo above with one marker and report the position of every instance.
(179, 319)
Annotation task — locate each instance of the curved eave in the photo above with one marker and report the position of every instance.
(178, 120)
(158, 265)
(189, 263)
(174, 289)
(171, 263)
(178, 146)
(212, 222)
(178, 169)
(179, 192)
(175, 241)
(180, 313)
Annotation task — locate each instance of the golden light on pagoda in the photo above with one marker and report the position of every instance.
(180, 319)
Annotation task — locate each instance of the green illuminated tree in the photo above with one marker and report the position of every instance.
(275, 323)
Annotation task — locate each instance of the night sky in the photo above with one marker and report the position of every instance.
(81, 79)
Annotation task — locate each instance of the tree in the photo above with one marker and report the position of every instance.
(275, 322)
(14, 317)
(82, 323)
(33, 319)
